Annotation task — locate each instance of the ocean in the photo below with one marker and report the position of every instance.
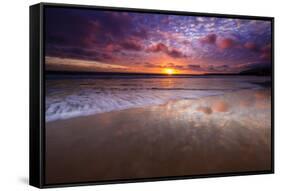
(73, 95)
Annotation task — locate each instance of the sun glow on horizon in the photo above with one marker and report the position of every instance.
(169, 71)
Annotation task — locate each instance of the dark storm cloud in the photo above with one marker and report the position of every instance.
(72, 32)
(209, 39)
(161, 47)
(63, 28)
(131, 44)
(85, 26)
(79, 53)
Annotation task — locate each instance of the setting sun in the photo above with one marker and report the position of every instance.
(169, 71)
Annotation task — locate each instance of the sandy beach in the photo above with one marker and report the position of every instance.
(215, 134)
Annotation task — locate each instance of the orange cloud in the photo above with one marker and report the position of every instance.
(220, 106)
(266, 52)
(261, 95)
(209, 39)
(226, 43)
(251, 46)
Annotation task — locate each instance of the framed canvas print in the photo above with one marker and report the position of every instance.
(125, 95)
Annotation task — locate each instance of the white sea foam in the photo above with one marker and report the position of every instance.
(69, 98)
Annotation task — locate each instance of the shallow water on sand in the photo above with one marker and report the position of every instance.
(77, 96)
(217, 134)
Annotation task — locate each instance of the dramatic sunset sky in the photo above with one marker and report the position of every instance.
(89, 40)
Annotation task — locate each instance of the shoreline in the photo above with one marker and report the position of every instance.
(184, 137)
(263, 85)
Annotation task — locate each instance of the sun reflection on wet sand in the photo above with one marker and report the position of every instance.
(227, 133)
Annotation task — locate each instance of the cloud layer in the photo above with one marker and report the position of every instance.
(148, 42)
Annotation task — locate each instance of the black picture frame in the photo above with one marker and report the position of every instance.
(37, 95)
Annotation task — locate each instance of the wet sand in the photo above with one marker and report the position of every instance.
(217, 134)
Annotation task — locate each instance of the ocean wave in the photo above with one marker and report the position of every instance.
(92, 102)
(73, 98)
